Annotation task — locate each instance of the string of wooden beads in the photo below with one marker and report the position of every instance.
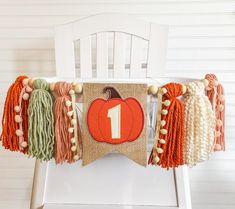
(24, 95)
(74, 140)
(157, 150)
(161, 121)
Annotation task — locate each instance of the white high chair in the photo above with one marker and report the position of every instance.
(113, 181)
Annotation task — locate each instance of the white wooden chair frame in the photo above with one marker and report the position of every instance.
(65, 69)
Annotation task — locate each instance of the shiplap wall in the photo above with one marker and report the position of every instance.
(201, 40)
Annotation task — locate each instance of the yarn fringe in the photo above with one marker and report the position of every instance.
(15, 120)
(168, 149)
(215, 93)
(199, 124)
(63, 138)
(41, 122)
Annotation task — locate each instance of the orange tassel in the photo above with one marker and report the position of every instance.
(15, 119)
(168, 149)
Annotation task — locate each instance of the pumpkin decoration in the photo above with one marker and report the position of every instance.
(115, 120)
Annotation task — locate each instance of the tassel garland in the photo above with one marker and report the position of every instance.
(42, 120)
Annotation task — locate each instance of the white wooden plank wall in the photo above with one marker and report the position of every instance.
(201, 39)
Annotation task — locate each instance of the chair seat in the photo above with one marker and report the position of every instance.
(112, 179)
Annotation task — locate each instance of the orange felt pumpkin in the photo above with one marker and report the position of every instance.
(115, 120)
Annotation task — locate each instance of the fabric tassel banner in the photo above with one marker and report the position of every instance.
(168, 150)
(114, 121)
(67, 130)
(215, 93)
(15, 119)
(41, 121)
(199, 124)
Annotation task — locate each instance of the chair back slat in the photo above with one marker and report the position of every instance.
(85, 58)
(94, 57)
(136, 70)
(102, 55)
(119, 70)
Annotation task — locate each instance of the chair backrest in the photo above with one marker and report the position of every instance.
(110, 46)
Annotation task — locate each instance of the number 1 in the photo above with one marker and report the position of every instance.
(115, 116)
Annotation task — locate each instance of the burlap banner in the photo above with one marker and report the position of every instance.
(114, 120)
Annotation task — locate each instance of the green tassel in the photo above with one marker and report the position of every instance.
(41, 122)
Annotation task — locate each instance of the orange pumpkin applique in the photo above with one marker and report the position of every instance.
(115, 120)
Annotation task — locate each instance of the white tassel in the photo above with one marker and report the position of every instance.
(199, 124)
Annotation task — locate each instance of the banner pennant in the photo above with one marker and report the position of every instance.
(114, 121)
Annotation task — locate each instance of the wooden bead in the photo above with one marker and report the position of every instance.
(163, 90)
(25, 82)
(18, 119)
(71, 92)
(156, 159)
(19, 132)
(73, 148)
(167, 102)
(78, 88)
(70, 130)
(220, 108)
(70, 113)
(163, 122)
(17, 108)
(163, 131)
(164, 112)
(25, 96)
(73, 121)
(73, 140)
(152, 90)
(52, 86)
(30, 83)
(219, 123)
(68, 103)
(218, 147)
(23, 144)
(76, 157)
(159, 150)
(221, 97)
(162, 141)
(205, 82)
(217, 134)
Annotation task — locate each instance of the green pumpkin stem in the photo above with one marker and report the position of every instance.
(111, 92)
